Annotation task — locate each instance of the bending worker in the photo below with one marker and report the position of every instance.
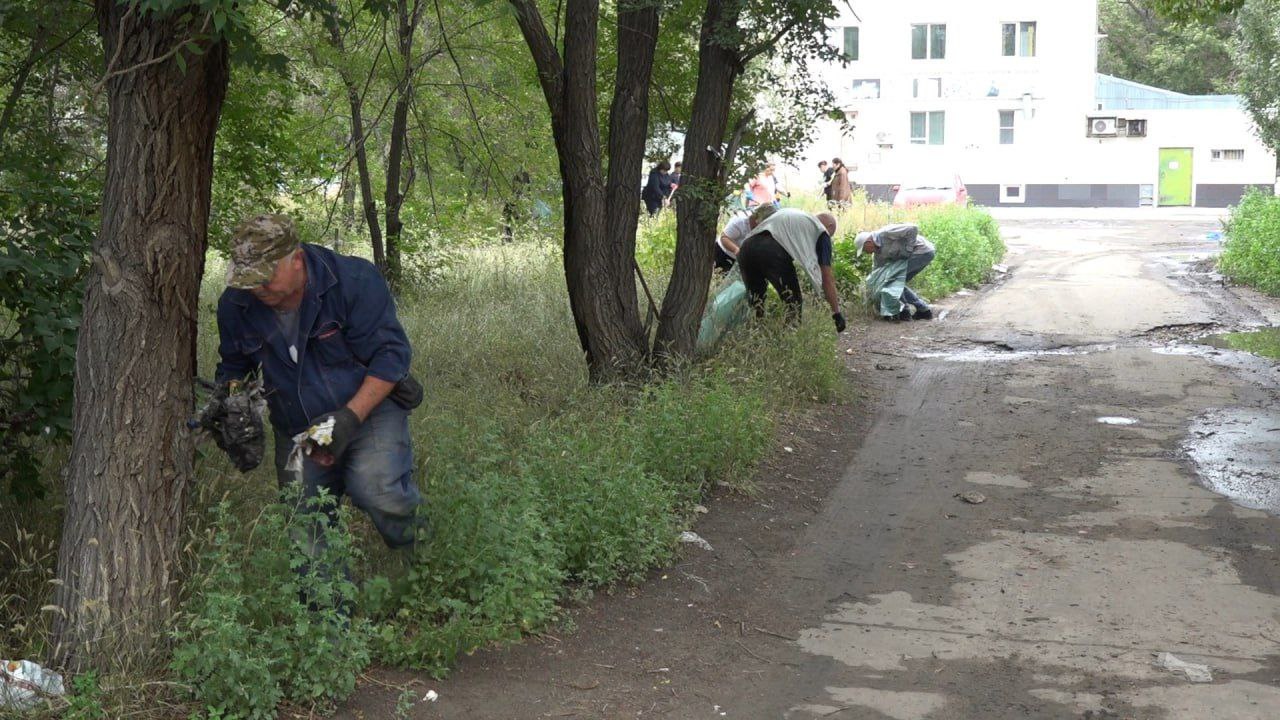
(769, 254)
(901, 241)
(735, 231)
(322, 329)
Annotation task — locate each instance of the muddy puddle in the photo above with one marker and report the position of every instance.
(1007, 354)
(1234, 451)
(1265, 342)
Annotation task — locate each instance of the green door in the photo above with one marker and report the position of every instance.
(1175, 176)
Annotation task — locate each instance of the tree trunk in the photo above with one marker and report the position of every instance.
(358, 146)
(628, 130)
(606, 316)
(701, 183)
(348, 211)
(131, 457)
(20, 81)
(407, 23)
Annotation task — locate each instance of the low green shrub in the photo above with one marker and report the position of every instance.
(1252, 252)
(968, 243)
(268, 620)
(489, 571)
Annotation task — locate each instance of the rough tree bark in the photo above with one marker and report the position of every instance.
(131, 458)
(628, 131)
(406, 26)
(702, 182)
(358, 137)
(602, 296)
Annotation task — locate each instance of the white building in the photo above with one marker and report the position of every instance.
(1005, 94)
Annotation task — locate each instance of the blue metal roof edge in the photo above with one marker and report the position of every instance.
(1115, 93)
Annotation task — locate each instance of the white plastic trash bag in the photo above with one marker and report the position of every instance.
(23, 684)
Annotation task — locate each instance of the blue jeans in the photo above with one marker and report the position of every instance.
(376, 471)
(915, 264)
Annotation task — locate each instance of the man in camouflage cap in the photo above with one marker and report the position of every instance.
(322, 328)
(257, 246)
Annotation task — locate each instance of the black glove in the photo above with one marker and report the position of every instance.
(345, 425)
(839, 320)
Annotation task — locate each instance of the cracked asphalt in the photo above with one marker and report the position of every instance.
(857, 583)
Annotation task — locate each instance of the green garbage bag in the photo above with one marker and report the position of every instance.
(884, 288)
(727, 310)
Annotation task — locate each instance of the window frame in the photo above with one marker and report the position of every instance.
(933, 84)
(857, 43)
(1011, 128)
(934, 124)
(857, 88)
(935, 45)
(1019, 38)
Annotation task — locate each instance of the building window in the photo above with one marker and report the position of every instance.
(930, 88)
(928, 42)
(866, 89)
(1006, 127)
(928, 128)
(1018, 39)
(1012, 194)
(1227, 155)
(851, 43)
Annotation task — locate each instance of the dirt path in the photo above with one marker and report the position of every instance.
(859, 585)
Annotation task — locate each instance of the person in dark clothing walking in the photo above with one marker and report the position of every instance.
(658, 188)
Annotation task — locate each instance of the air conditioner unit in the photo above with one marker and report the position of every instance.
(884, 139)
(1102, 127)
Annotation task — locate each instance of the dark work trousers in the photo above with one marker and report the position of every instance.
(762, 260)
(915, 264)
(724, 261)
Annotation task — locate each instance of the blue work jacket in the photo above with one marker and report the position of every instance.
(347, 330)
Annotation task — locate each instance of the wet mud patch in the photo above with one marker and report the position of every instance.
(1234, 454)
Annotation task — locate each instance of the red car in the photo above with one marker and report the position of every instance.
(931, 191)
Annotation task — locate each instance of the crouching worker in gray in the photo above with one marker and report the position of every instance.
(323, 329)
(769, 254)
(901, 241)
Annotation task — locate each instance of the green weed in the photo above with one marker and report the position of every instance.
(268, 622)
(1252, 252)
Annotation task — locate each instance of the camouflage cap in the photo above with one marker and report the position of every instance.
(257, 245)
(763, 213)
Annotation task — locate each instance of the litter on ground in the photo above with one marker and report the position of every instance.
(24, 683)
(1195, 672)
(694, 538)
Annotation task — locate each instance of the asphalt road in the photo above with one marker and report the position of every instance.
(1072, 400)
